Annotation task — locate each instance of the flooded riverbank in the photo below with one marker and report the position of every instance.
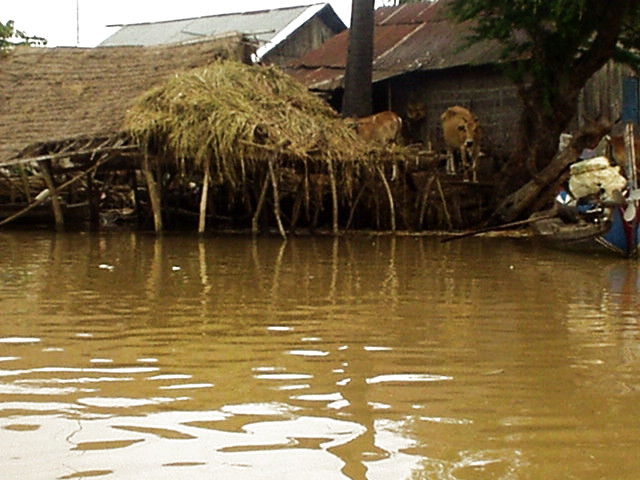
(124, 355)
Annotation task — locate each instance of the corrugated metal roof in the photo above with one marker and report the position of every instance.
(411, 37)
(266, 26)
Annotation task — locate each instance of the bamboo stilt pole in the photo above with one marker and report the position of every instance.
(261, 200)
(276, 199)
(334, 196)
(295, 210)
(25, 184)
(424, 200)
(154, 194)
(307, 192)
(45, 169)
(204, 198)
(94, 202)
(444, 203)
(392, 206)
(136, 194)
(353, 207)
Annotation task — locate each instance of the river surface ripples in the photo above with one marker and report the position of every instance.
(130, 356)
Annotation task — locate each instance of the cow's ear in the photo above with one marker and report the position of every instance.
(448, 113)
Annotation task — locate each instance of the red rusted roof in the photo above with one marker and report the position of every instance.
(411, 37)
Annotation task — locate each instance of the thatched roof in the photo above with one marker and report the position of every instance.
(50, 95)
(232, 112)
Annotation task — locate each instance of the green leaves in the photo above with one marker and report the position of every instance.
(557, 32)
(10, 37)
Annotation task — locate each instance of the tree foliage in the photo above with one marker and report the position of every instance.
(10, 37)
(550, 36)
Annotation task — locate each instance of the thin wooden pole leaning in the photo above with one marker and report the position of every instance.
(25, 183)
(45, 170)
(205, 194)
(261, 200)
(444, 202)
(392, 207)
(276, 199)
(353, 207)
(334, 195)
(154, 193)
(424, 201)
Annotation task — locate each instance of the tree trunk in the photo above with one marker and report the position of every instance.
(357, 99)
(550, 100)
(520, 202)
(534, 164)
(541, 123)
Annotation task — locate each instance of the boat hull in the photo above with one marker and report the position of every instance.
(611, 233)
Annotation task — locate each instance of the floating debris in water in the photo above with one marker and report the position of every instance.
(105, 266)
(278, 328)
(309, 353)
(19, 340)
(373, 348)
(407, 377)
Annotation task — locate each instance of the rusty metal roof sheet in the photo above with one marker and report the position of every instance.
(411, 37)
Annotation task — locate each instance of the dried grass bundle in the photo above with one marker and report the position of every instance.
(230, 112)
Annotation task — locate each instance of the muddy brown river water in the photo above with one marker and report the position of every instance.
(127, 356)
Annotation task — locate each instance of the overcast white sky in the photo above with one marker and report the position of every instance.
(55, 20)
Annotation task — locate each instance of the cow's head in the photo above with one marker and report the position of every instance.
(461, 127)
(416, 111)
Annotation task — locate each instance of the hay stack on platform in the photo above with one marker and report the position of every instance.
(230, 111)
(232, 122)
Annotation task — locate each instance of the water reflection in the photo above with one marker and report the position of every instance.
(135, 356)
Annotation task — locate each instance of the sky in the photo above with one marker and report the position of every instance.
(55, 20)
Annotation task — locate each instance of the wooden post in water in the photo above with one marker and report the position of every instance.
(136, 195)
(45, 168)
(334, 195)
(392, 207)
(94, 202)
(424, 201)
(25, 183)
(276, 199)
(263, 195)
(204, 198)
(154, 194)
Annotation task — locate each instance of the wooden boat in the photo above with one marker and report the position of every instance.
(609, 232)
(609, 225)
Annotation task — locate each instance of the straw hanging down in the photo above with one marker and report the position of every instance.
(229, 121)
(230, 111)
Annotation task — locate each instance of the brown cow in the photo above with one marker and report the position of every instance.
(462, 134)
(382, 128)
